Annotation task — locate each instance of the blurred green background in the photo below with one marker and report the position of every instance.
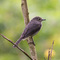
(12, 26)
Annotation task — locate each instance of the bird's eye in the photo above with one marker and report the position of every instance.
(39, 19)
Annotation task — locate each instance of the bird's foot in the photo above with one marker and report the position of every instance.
(32, 43)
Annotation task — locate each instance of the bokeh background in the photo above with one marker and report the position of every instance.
(12, 26)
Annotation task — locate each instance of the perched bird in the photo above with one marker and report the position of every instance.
(31, 29)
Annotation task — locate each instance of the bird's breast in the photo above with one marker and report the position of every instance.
(37, 30)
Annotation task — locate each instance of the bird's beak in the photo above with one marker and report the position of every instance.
(43, 19)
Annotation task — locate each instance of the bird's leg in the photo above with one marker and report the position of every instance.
(32, 42)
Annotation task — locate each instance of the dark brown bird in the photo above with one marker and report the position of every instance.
(31, 29)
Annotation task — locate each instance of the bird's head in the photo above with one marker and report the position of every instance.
(38, 19)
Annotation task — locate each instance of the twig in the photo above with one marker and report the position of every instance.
(51, 49)
(17, 46)
(49, 54)
(26, 20)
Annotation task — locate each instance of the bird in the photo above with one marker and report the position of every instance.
(31, 29)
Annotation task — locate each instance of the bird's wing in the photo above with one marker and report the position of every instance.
(31, 29)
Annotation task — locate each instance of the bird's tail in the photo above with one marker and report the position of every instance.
(17, 42)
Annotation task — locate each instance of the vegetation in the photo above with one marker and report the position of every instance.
(12, 26)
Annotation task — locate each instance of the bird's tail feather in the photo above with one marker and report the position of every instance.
(17, 42)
